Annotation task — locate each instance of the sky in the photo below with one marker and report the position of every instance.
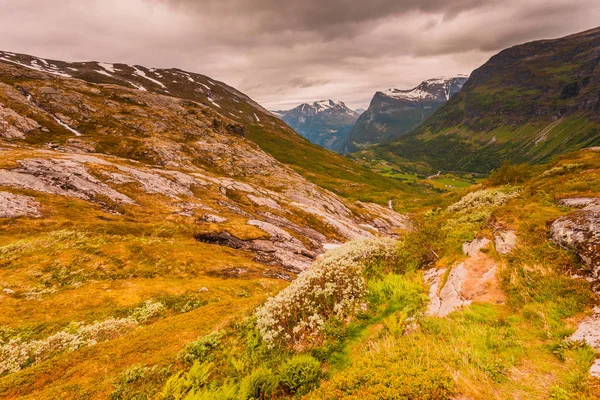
(286, 52)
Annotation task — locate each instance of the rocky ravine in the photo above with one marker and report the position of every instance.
(124, 150)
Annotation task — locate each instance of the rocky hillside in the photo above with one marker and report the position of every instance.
(326, 122)
(272, 135)
(526, 104)
(394, 112)
(117, 191)
(66, 137)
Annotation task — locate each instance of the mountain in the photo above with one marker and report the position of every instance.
(394, 112)
(526, 104)
(359, 111)
(270, 133)
(136, 204)
(326, 122)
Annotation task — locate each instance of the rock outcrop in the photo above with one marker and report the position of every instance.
(505, 241)
(580, 231)
(15, 205)
(588, 331)
(473, 280)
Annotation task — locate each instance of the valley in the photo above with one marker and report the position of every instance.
(164, 236)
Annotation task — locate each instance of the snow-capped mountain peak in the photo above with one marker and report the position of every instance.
(431, 89)
(324, 122)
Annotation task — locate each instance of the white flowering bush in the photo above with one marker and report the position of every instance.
(333, 288)
(17, 354)
(562, 169)
(486, 198)
(149, 310)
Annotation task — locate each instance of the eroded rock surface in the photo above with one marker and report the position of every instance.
(474, 247)
(589, 332)
(580, 232)
(15, 205)
(473, 280)
(60, 177)
(505, 241)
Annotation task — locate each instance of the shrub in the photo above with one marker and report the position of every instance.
(332, 288)
(485, 198)
(17, 354)
(259, 385)
(199, 349)
(148, 311)
(562, 169)
(509, 174)
(182, 385)
(229, 391)
(300, 374)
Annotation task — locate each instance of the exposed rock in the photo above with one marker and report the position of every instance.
(155, 184)
(473, 280)
(589, 332)
(433, 277)
(48, 90)
(316, 238)
(13, 125)
(580, 232)
(472, 248)
(282, 247)
(61, 177)
(15, 205)
(222, 239)
(264, 202)
(276, 233)
(213, 219)
(449, 297)
(579, 202)
(505, 241)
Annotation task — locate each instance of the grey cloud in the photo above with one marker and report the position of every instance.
(331, 18)
(285, 52)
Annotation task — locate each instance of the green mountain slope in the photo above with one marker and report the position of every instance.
(526, 104)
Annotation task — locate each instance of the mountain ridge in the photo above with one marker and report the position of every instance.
(324, 122)
(526, 104)
(394, 112)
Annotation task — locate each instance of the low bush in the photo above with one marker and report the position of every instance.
(201, 348)
(333, 288)
(485, 198)
(148, 311)
(300, 374)
(562, 169)
(17, 354)
(184, 385)
(259, 385)
(509, 174)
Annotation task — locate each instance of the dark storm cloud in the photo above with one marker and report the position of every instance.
(286, 52)
(329, 19)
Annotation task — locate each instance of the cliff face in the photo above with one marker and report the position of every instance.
(394, 112)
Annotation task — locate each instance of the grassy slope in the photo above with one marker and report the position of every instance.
(515, 107)
(507, 351)
(334, 172)
(503, 351)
